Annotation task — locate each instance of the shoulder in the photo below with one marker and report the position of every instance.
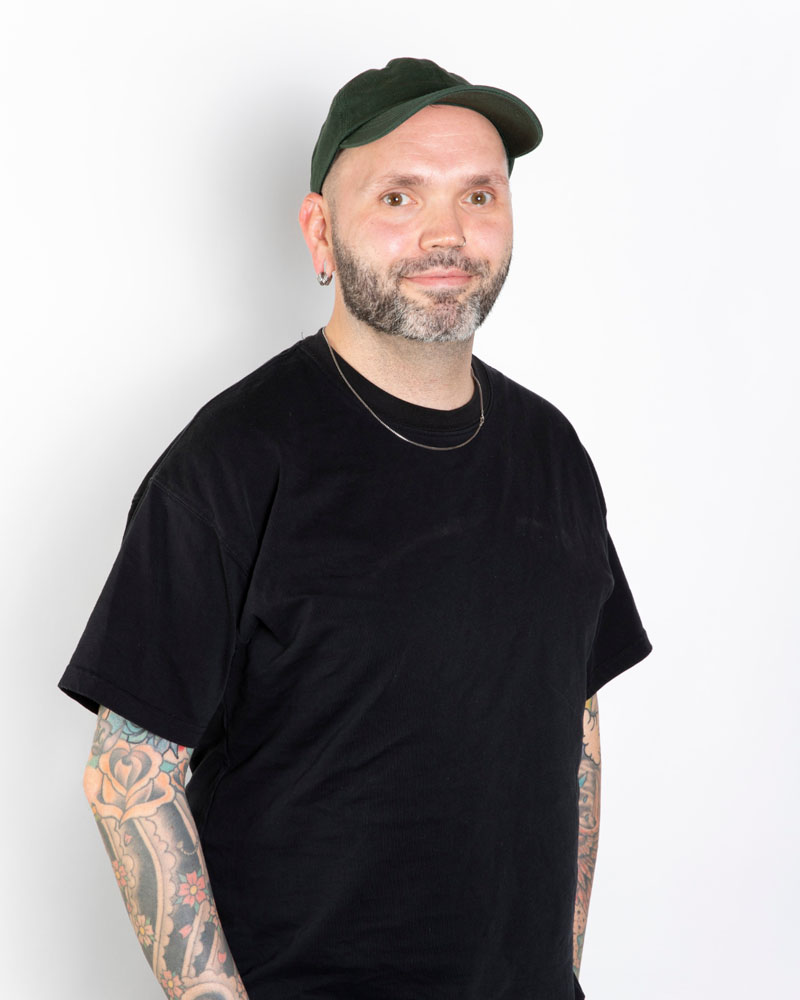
(225, 461)
(525, 407)
(257, 401)
(244, 416)
(539, 431)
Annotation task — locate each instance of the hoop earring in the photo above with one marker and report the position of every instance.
(324, 278)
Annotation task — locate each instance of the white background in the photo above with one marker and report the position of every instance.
(153, 159)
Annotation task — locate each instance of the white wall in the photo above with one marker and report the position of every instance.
(153, 158)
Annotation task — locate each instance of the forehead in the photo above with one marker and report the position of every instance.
(439, 138)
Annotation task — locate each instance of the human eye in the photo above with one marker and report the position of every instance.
(396, 199)
(479, 198)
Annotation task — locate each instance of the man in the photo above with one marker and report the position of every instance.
(371, 584)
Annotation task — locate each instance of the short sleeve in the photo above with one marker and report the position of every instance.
(620, 640)
(158, 646)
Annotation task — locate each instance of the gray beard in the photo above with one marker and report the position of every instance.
(449, 315)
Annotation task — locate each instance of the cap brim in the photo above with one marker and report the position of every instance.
(519, 128)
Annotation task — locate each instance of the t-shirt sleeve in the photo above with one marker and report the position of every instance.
(158, 646)
(620, 640)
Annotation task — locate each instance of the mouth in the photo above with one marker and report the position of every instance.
(451, 277)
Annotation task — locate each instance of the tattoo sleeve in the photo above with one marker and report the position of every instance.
(588, 824)
(135, 784)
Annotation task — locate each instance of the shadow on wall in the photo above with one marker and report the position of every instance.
(263, 178)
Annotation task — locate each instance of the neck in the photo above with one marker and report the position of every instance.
(433, 375)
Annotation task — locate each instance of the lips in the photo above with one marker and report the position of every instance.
(453, 272)
(438, 272)
(451, 276)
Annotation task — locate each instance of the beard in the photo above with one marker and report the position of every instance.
(448, 315)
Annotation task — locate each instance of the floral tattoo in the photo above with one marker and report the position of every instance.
(588, 824)
(135, 783)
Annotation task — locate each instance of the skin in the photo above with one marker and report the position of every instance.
(436, 184)
(134, 781)
(588, 824)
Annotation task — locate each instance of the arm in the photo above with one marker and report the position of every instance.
(588, 824)
(134, 782)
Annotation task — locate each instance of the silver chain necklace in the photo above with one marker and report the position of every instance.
(418, 444)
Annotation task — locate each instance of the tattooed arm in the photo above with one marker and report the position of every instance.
(589, 824)
(135, 783)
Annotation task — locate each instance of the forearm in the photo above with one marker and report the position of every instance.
(135, 784)
(588, 824)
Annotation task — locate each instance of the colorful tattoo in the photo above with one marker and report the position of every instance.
(135, 783)
(588, 823)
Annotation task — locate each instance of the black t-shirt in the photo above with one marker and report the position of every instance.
(381, 654)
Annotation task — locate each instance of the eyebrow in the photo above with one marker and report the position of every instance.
(417, 180)
(487, 180)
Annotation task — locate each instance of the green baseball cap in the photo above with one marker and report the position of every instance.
(375, 102)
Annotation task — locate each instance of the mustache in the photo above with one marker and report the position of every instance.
(440, 259)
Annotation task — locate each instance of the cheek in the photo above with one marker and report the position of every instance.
(491, 239)
(386, 239)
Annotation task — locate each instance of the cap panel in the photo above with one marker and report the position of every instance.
(518, 126)
(375, 102)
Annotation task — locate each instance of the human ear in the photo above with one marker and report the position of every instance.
(315, 223)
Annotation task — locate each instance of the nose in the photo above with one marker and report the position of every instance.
(442, 229)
